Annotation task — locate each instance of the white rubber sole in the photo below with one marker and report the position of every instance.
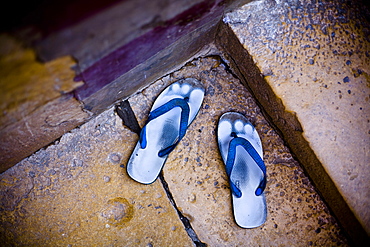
(144, 164)
(249, 210)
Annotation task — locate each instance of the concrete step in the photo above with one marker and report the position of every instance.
(77, 192)
(307, 63)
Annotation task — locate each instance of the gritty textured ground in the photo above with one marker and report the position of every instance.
(76, 192)
(315, 56)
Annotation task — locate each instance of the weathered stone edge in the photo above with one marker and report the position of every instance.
(286, 123)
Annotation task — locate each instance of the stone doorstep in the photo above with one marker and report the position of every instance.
(243, 62)
(314, 129)
(235, 51)
(78, 190)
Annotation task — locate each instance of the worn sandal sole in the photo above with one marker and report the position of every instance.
(238, 139)
(172, 112)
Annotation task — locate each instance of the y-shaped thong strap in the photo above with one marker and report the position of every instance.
(238, 141)
(177, 102)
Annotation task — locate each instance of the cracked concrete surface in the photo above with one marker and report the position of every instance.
(76, 191)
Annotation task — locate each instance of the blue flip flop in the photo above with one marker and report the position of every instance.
(241, 150)
(171, 114)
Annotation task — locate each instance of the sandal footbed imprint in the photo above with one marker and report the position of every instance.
(249, 209)
(161, 132)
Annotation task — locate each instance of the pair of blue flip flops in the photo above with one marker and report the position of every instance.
(239, 144)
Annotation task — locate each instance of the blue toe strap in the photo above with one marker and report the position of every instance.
(238, 141)
(185, 110)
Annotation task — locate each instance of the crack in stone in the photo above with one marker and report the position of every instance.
(189, 229)
(128, 117)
